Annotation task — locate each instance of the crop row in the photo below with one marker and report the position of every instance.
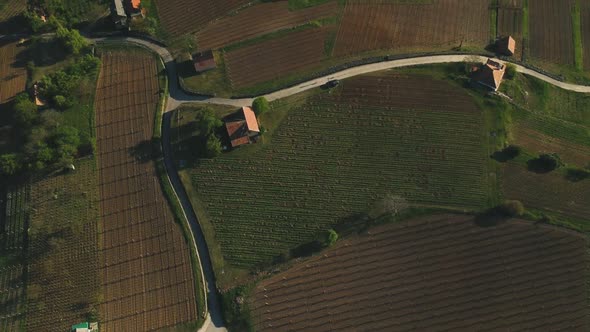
(331, 159)
(13, 222)
(443, 272)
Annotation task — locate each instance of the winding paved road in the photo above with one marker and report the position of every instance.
(178, 97)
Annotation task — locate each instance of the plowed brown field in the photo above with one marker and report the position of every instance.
(510, 22)
(258, 20)
(275, 58)
(12, 8)
(534, 140)
(146, 275)
(433, 274)
(550, 192)
(550, 26)
(183, 16)
(13, 76)
(444, 23)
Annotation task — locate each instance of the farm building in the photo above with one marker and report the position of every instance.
(118, 14)
(204, 61)
(134, 8)
(490, 74)
(242, 127)
(85, 327)
(506, 46)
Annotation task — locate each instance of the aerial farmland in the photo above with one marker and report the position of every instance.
(294, 165)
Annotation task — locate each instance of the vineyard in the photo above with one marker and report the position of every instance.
(510, 13)
(398, 26)
(436, 273)
(10, 9)
(550, 192)
(275, 58)
(259, 20)
(63, 283)
(551, 35)
(335, 156)
(184, 16)
(13, 75)
(12, 236)
(146, 276)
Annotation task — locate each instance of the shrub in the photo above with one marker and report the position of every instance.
(544, 163)
(213, 146)
(510, 72)
(25, 110)
(260, 106)
(71, 39)
(511, 208)
(575, 174)
(331, 238)
(9, 164)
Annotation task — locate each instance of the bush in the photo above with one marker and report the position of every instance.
(9, 164)
(25, 111)
(545, 163)
(260, 106)
(331, 238)
(577, 174)
(213, 146)
(71, 39)
(511, 209)
(510, 72)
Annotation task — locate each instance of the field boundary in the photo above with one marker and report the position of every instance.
(174, 201)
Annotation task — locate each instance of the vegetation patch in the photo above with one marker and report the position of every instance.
(335, 155)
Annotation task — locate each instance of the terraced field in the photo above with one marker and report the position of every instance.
(437, 24)
(430, 274)
(339, 153)
(184, 16)
(275, 58)
(550, 26)
(549, 192)
(259, 20)
(146, 276)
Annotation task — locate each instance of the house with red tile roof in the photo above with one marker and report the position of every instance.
(506, 46)
(490, 74)
(242, 127)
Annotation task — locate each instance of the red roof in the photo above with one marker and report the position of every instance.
(204, 61)
(240, 128)
(507, 45)
(250, 117)
(490, 74)
(135, 4)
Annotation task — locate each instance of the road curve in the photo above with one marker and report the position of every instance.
(178, 97)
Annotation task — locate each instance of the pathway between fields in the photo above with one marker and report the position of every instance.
(178, 97)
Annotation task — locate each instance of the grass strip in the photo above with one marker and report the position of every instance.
(577, 34)
(525, 25)
(494, 20)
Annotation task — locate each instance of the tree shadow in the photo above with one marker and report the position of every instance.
(143, 151)
(491, 218)
(538, 166)
(42, 52)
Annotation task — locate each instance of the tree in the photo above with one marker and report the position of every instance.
(9, 164)
(332, 237)
(544, 163)
(260, 106)
(34, 21)
(25, 111)
(65, 140)
(511, 208)
(62, 102)
(71, 39)
(213, 146)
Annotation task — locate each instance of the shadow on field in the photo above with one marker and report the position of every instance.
(491, 218)
(143, 152)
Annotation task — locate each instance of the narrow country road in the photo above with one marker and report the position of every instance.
(178, 97)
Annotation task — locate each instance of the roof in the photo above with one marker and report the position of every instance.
(250, 117)
(135, 4)
(84, 325)
(240, 127)
(119, 9)
(490, 74)
(507, 45)
(204, 61)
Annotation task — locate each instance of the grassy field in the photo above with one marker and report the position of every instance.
(63, 284)
(328, 157)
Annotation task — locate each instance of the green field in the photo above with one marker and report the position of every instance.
(332, 157)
